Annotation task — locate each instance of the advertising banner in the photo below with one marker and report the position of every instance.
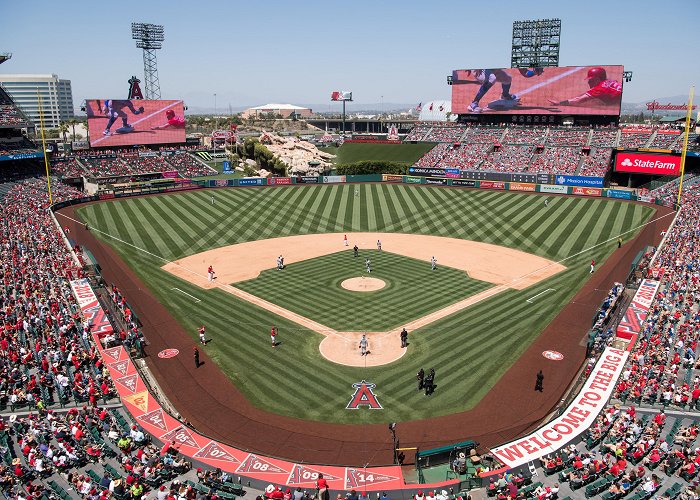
(617, 193)
(306, 180)
(518, 186)
(646, 199)
(492, 185)
(579, 180)
(279, 181)
(333, 179)
(80, 145)
(431, 172)
(569, 90)
(91, 308)
(463, 182)
(126, 122)
(548, 188)
(413, 180)
(251, 181)
(439, 182)
(575, 419)
(632, 321)
(21, 156)
(392, 178)
(453, 173)
(585, 191)
(652, 164)
(170, 174)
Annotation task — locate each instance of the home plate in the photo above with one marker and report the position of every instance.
(503, 104)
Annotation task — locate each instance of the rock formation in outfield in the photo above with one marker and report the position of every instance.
(297, 154)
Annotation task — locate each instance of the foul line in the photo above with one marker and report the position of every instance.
(182, 291)
(551, 80)
(541, 293)
(96, 141)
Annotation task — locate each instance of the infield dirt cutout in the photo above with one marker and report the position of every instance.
(502, 266)
(363, 284)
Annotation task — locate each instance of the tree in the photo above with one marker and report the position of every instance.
(63, 129)
(73, 122)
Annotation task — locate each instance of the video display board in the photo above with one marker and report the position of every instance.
(566, 90)
(643, 163)
(125, 122)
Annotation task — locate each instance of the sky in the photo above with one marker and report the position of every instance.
(251, 53)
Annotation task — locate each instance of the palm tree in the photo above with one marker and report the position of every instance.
(73, 122)
(63, 129)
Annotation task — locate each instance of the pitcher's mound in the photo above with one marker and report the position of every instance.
(363, 284)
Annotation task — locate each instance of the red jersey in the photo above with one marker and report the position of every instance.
(608, 91)
(177, 122)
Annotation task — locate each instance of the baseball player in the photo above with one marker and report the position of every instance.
(433, 263)
(546, 202)
(355, 251)
(487, 78)
(202, 336)
(363, 345)
(602, 90)
(368, 265)
(592, 266)
(210, 273)
(345, 240)
(280, 263)
(114, 108)
(379, 245)
(173, 121)
(273, 335)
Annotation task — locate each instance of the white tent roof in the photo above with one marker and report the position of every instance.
(278, 106)
(438, 113)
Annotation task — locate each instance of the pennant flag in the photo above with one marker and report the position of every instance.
(419, 107)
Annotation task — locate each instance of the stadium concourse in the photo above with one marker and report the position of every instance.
(62, 432)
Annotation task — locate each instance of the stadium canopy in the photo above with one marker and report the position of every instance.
(436, 111)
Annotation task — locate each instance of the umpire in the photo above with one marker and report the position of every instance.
(429, 382)
(420, 376)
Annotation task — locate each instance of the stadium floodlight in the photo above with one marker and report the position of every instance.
(149, 37)
(535, 43)
(4, 56)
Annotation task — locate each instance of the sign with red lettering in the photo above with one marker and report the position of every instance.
(214, 451)
(635, 315)
(359, 479)
(586, 191)
(492, 185)
(642, 163)
(279, 181)
(168, 353)
(254, 464)
(303, 474)
(575, 419)
(553, 355)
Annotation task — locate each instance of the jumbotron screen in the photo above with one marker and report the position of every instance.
(125, 122)
(567, 90)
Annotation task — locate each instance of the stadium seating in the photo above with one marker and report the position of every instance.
(446, 133)
(597, 162)
(631, 140)
(557, 160)
(567, 137)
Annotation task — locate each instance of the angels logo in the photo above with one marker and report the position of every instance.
(254, 464)
(113, 353)
(154, 418)
(129, 382)
(135, 88)
(301, 474)
(181, 435)
(214, 451)
(360, 478)
(121, 366)
(364, 396)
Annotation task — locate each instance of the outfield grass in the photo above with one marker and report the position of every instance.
(351, 152)
(312, 288)
(487, 337)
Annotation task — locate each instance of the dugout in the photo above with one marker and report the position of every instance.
(443, 454)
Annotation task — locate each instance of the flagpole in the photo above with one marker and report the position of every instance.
(685, 142)
(43, 145)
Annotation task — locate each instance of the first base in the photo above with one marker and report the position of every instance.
(503, 104)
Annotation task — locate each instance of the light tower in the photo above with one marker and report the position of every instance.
(149, 37)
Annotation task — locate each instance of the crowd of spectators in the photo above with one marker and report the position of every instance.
(632, 140)
(567, 137)
(465, 156)
(557, 160)
(107, 167)
(597, 163)
(188, 166)
(446, 133)
(508, 158)
(418, 132)
(10, 114)
(660, 368)
(604, 138)
(16, 145)
(485, 135)
(666, 140)
(433, 158)
(68, 167)
(525, 135)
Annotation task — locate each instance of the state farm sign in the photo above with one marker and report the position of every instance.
(648, 164)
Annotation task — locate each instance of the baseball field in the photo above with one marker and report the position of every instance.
(470, 348)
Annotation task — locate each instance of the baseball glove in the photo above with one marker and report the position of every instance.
(141, 110)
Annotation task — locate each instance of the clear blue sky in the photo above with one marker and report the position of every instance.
(252, 53)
